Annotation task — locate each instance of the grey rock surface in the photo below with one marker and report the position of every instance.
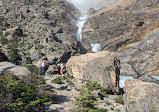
(93, 67)
(141, 96)
(131, 28)
(19, 71)
(42, 26)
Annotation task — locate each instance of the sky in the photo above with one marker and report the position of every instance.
(85, 5)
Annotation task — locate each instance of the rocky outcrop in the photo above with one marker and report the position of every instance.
(141, 96)
(93, 67)
(19, 71)
(131, 28)
(42, 27)
(91, 11)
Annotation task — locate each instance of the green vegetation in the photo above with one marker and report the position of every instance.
(3, 41)
(58, 80)
(25, 35)
(92, 85)
(154, 109)
(119, 99)
(49, 72)
(23, 95)
(70, 76)
(29, 45)
(137, 110)
(118, 110)
(86, 100)
(13, 54)
(39, 46)
(6, 34)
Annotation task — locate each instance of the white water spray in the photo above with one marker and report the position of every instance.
(85, 5)
(95, 47)
(80, 25)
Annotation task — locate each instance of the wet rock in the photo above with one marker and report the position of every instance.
(148, 79)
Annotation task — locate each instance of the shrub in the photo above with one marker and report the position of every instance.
(49, 72)
(3, 41)
(92, 85)
(40, 46)
(118, 110)
(69, 82)
(22, 96)
(30, 45)
(13, 54)
(105, 91)
(70, 76)
(58, 80)
(86, 100)
(25, 35)
(6, 34)
(119, 99)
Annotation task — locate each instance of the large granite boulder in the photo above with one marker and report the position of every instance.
(93, 67)
(19, 71)
(141, 96)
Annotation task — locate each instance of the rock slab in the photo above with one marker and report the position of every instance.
(16, 70)
(141, 96)
(92, 67)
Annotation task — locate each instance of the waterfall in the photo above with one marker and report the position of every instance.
(84, 6)
(95, 47)
(80, 25)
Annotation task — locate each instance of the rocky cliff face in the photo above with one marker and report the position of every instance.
(45, 26)
(127, 28)
(141, 96)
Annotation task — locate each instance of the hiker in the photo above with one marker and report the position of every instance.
(61, 65)
(56, 69)
(117, 73)
(43, 67)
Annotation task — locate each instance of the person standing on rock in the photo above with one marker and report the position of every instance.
(117, 74)
(61, 65)
(43, 67)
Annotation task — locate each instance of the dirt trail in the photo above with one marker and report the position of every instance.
(67, 93)
(64, 97)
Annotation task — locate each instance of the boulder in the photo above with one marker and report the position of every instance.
(93, 67)
(141, 96)
(16, 70)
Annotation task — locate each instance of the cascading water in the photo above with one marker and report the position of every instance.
(124, 78)
(80, 25)
(84, 6)
(95, 47)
